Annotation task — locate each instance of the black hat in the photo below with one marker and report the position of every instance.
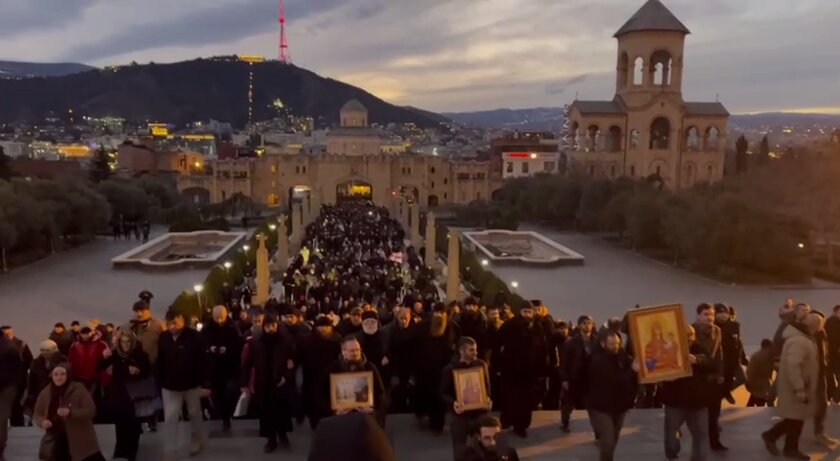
(369, 315)
(323, 322)
(270, 319)
(438, 307)
(74, 323)
(284, 309)
(85, 330)
(470, 301)
(584, 318)
(146, 295)
(721, 308)
(140, 306)
(59, 324)
(536, 302)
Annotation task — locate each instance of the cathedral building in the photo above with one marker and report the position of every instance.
(647, 129)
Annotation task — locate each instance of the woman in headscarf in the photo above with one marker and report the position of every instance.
(39, 372)
(128, 366)
(65, 410)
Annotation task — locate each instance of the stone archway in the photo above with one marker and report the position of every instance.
(409, 193)
(299, 193)
(433, 200)
(353, 190)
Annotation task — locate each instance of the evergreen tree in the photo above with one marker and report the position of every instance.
(100, 169)
(764, 151)
(5, 166)
(741, 147)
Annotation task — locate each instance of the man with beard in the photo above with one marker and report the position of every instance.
(146, 328)
(524, 360)
(576, 354)
(402, 337)
(549, 387)
(461, 420)
(473, 323)
(494, 323)
(709, 339)
(322, 347)
(17, 419)
(353, 361)
(270, 357)
(299, 332)
(483, 445)
(731, 349)
(435, 346)
(224, 348)
(374, 344)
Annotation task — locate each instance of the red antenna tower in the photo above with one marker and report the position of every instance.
(284, 44)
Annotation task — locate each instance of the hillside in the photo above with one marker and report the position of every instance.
(18, 69)
(192, 90)
(539, 118)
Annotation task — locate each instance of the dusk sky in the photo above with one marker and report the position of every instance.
(448, 55)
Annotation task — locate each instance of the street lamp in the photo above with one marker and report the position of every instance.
(485, 262)
(228, 265)
(245, 248)
(801, 245)
(514, 284)
(198, 289)
(272, 227)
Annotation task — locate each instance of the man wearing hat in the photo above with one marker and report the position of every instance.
(145, 327)
(473, 323)
(298, 332)
(576, 354)
(85, 356)
(435, 349)
(352, 324)
(374, 343)
(321, 347)
(63, 338)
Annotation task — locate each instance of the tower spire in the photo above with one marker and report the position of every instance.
(284, 44)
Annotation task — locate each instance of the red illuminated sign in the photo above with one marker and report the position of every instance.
(518, 155)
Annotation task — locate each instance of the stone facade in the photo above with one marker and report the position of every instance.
(648, 129)
(270, 179)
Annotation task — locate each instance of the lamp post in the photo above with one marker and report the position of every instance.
(485, 262)
(514, 284)
(198, 289)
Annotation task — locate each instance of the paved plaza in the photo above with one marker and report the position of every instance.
(614, 280)
(641, 440)
(80, 284)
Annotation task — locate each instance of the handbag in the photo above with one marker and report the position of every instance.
(47, 450)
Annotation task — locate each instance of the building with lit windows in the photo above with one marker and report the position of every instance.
(344, 173)
(647, 129)
(521, 164)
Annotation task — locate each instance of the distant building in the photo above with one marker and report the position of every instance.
(15, 149)
(343, 173)
(647, 129)
(141, 158)
(519, 164)
(519, 147)
(46, 169)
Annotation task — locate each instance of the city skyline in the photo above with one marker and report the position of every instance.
(458, 55)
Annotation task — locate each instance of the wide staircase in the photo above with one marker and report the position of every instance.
(641, 440)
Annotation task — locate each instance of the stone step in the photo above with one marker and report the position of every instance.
(641, 439)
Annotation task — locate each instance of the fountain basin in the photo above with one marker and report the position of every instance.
(521, 247)
(181, 249)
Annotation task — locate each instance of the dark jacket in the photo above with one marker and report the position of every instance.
(63, 341)
(692, 392)
(223, 366)
(401, 349)
(447, 385)
(350, 437)
(612, 383)
(269, 357)
(576, 355)
(375, 348)
(182, 363)
(524, 352)
(709, 339)
(832, 331)
(11, 364)
(760, 373)
(39, 376)
(730, 342)
(778, 339)
(475, 452)
(474, 325)
(118, 402)
(346, 327)
(342, 366)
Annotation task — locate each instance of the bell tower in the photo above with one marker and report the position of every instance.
(650, 54)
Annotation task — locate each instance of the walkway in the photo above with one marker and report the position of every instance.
(641, 440)
(80, 284)
(614, 280)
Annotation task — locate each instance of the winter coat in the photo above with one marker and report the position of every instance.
(577, 352)
(350, 437)
(268, 357)
(760, 373)
(78, 426)
(474, 325)
(832, 331)
(613, 383)
(709, 338)
(84, 360)
(731, 346)
(691, 392)
(182, 363)
(149, 334)
(222, 366)
(64, 341)
(798, 374)
(11, 364)
(524, 352)
(39, 377)
(118, 401)
(475, 452)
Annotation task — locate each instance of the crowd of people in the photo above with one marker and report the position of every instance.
(356, 298)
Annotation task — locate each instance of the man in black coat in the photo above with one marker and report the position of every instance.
(62, 338)
(224, 348)
(611, 390)
(402, 340)
(11, 367)
(181, 370)
(321, 348)
(685, 401)
(353, 361)
(576, 354)
(524, 361)
(271, 359)
(435, 349)
(709, 338)
(483, 445)
(731, 348)
(494, 324)
(374, 342)
(27, 357)
(832, 331)
(298, 332)
(473, 323)
(461, 419)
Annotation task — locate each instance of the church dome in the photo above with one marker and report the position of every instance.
(652, 16)
(353, 105)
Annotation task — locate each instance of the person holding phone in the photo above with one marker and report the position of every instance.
(65, 410)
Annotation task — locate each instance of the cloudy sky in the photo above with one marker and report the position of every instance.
(446, 55)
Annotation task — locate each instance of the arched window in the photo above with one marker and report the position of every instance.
(660, 134)
(623, 71)
(638, 71)
(689, 175)
(692, 139)
(660, 67)
(712, 141)
(575, 133)
(593, 134)
(635, 139)
(614, 139)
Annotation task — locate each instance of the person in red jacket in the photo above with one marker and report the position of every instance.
(85, 355)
